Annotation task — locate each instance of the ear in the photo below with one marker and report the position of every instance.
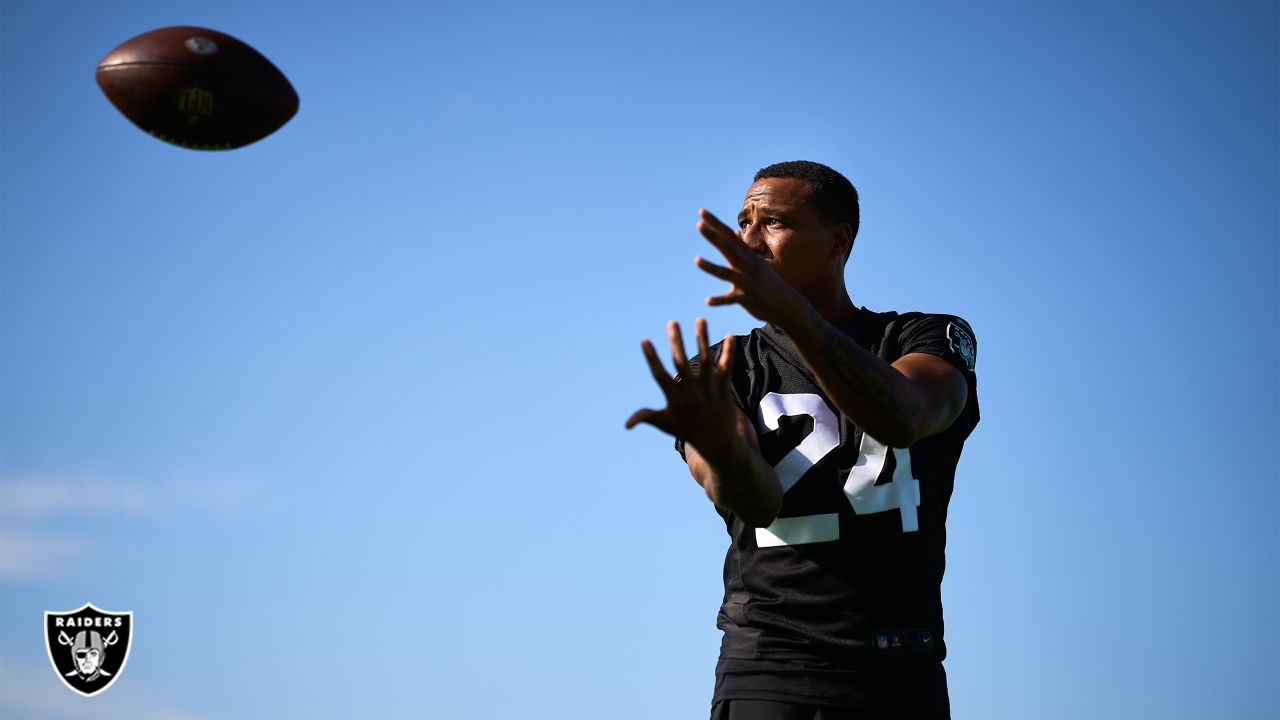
(841, 240)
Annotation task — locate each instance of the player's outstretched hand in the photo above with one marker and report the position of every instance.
(757, 286)
(699, 408)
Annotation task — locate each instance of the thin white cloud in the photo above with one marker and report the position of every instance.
(36, 509)
(30, 690)
(51, 496)
(38, 554)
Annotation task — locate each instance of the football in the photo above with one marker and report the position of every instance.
(197, 88)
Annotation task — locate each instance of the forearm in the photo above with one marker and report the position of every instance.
(865, 389)
(738, 479)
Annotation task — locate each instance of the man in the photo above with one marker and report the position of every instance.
(828, 441)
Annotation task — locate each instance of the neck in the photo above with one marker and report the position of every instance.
(833, 304)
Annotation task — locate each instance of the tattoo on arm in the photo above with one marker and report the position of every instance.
(862, 373)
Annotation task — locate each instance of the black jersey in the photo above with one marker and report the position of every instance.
(847, 580)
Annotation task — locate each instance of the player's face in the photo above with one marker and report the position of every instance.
(781, 226)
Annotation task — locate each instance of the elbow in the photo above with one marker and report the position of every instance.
(907, 432)
(903, 430)
(900, 435)
(759, 519)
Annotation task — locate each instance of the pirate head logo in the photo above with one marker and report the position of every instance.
(88, 647)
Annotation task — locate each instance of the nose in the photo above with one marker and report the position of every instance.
(751, 236)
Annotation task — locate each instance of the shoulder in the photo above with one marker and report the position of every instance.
(749, 349)
(942, 334)
(915, 318)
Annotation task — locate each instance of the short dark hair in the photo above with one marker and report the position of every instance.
(830, 193)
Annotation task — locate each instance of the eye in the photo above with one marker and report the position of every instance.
(743, 223)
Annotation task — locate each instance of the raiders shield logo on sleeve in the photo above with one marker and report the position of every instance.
(962, 343)
(88, 647)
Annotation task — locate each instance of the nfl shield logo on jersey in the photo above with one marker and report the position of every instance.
(88, 647)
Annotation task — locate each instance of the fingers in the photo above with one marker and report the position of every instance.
(700, 326)
(729, 245)
(711, 219)
(656, 418)
(677, 349)
(728, 242)
(719, 271)
(726, 354)
(729, 298)
(638, 417)
(655, 366)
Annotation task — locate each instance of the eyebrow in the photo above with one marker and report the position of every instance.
(765, 211)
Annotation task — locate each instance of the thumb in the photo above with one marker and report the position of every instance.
(656, 418)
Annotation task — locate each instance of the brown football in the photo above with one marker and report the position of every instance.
(197, 88)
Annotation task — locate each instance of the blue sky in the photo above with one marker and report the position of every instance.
(339, 415)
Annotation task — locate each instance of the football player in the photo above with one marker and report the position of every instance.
(828, 441)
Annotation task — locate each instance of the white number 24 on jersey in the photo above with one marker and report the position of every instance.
(860, 489)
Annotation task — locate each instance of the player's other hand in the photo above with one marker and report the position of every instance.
(699, 409)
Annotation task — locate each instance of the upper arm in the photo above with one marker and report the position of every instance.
(939, 391)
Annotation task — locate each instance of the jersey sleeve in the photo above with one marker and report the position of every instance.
(952, 339)
(947, 336)
(739, 380)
